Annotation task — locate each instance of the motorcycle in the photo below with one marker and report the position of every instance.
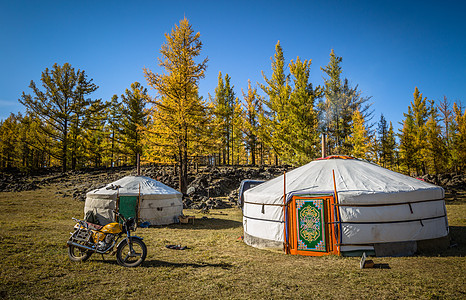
(89, 238)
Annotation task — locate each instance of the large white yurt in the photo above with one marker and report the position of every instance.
(361, 208)
(141, 197)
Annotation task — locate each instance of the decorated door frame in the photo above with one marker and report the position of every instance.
(312, 228)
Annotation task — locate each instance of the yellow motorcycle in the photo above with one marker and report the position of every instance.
(89, 238)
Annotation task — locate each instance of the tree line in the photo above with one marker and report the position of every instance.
(282, 124)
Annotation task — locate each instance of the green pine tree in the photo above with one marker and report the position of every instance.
(338, 105)
(436, 160)
(383, 145)
(446, 118)
(391, 153)
(61, 102)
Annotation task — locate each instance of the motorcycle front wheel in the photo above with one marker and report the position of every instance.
(77, 254)
(128, 258)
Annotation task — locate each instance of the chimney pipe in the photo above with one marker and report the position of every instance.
(138, 164)
(324, 142)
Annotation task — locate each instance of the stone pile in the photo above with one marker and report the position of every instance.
(217, 187)
(209, 188)
(453, 183)
(16, 182)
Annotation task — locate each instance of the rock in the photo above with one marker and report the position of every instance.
(191, 190)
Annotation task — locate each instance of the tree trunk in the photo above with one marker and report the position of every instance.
(226, 160)
(185, 162)
(183, 154)
(185, 171)
(113, 147)
(261, 154)
(180, 174)
(65, 145)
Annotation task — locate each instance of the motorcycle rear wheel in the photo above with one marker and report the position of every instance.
(77, 254)
(124, 256)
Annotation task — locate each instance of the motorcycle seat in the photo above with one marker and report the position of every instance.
(94, 226)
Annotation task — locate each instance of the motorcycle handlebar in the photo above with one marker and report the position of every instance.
(83, 223)
(119, 215)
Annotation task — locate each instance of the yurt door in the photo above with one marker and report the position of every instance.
(128, 206)
(310, 226)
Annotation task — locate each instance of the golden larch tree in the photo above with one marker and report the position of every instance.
(178, 113)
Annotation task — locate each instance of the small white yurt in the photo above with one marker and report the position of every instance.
(361, 208)
(140, 197)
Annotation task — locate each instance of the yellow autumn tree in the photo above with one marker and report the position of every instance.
(459, 137)
(238, 145)
(359, 137)
(251, 122)
(179, 116)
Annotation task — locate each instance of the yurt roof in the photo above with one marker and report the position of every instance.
(357, 181)
(135, 185)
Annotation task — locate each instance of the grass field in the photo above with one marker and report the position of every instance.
(35, 225)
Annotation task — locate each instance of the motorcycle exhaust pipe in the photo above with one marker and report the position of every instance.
(70, 243)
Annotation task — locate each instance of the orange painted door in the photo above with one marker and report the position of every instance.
(311, 226)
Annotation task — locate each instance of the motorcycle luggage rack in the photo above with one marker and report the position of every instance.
(82, 235)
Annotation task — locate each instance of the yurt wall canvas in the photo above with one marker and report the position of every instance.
(375, 206)
(153, 201)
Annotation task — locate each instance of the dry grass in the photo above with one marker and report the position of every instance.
(35, 225)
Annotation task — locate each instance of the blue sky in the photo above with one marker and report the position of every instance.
(388, 47)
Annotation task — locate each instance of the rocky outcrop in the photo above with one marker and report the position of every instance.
(454, 184)
(209, 187)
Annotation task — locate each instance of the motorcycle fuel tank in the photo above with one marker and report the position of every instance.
(112, 228)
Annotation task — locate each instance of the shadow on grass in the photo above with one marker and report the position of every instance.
(458, 241)
(381, 266)
(209, 223)
(159, 263)
(457, 247)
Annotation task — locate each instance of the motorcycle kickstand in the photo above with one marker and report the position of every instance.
(103, 258)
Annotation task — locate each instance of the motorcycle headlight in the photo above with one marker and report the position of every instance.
(132, 224)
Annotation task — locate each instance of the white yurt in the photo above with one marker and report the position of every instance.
(342, 205)
(141, 197)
